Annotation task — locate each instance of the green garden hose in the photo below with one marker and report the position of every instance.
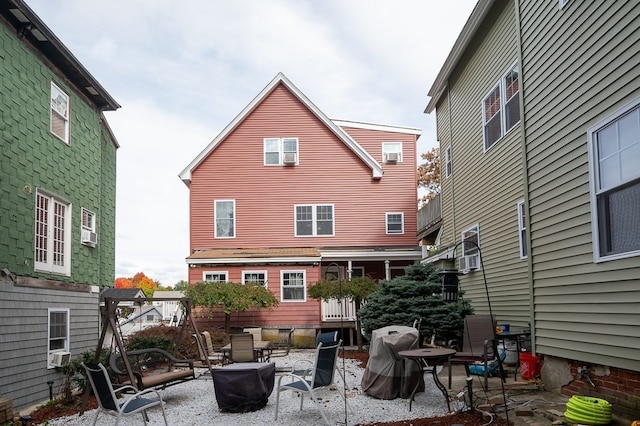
(588, 410)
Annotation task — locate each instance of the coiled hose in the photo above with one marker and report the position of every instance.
(588, 410)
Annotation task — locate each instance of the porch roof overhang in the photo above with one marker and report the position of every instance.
(374, 253)
(447, 253)
(307, 255)
(254, 256)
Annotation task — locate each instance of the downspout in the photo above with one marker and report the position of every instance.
(453, 198)
(525, 174)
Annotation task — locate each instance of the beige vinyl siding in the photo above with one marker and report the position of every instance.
(486, 186)
(580, 64)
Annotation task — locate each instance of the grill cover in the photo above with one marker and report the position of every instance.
(382, 378)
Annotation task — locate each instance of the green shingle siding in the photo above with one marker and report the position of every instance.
(82, 172)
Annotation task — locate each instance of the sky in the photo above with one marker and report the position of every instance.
(182, 70)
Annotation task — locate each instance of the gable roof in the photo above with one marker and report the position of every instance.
(121, 293)
(471, 27)
(144, 311)
(28, 25)
(169, 294)
(375, 167)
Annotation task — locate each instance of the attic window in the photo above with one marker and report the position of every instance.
(280, 151)
(392, 152)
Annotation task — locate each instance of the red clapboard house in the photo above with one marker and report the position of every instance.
(286, 196)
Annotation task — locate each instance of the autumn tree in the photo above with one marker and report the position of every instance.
(429, 174)
(139, 280)
(357, 289)
(123, 282)
(230, 297)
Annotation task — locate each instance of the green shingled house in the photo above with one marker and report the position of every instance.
(57, 205)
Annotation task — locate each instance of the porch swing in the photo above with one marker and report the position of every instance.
(131, 366)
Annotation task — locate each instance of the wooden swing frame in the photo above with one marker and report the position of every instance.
(109, 313)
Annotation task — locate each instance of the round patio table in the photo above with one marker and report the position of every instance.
(429, 358)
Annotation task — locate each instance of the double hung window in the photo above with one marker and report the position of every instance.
(501, 107)
(215, 277)
(293, 286)
(88, 228)
(522, 229)
(470, 249)
(52, 234)
(392, 152)
(59, 113)
(280, 151)
(395, 223)
(447, 162)
(58, 338)
(314, 220)
(614, 148)
(254, 277)
(224, 222)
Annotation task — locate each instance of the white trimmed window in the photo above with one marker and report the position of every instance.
(255, 277)
(314, 220)
(292, 287)
(58, 332)
(447, 162)
(52, 234)
(88, 234)
(280, 151)
(392, 152)
(224, 221)
(522, 229)
(215, 276)
(59, 113)
(614, 153)
(395, 223)
(470, 259)
(501, 107)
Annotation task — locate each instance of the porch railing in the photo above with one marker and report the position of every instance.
(333, 310)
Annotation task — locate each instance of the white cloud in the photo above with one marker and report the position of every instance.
(183, 70)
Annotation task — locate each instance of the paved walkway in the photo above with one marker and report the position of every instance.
(536, 406)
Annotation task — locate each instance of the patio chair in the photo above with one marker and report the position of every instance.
(322, 376)
(256, 332)
(324, 338)
(327, 337)
(284, 345)
(242, 348)
(211, 353)
(109, 403)
(478, 345)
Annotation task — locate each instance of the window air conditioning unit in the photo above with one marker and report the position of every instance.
(469, 263)
(89, 238)
(58, 359)
(289, 158)
(393, 157)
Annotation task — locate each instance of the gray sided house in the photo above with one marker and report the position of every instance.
(57, 205)
(538, 119)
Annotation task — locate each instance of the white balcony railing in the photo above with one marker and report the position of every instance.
(334, 310)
